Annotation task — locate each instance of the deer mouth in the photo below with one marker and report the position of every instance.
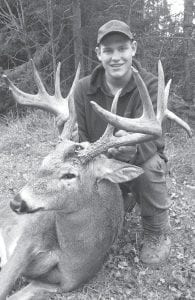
(29, 211)
(32, 211)
(23, 208)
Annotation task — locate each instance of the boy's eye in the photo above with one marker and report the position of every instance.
(107, 51)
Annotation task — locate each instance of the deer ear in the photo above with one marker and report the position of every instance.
(117, 171)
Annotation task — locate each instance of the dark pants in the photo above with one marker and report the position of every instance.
(150, 192)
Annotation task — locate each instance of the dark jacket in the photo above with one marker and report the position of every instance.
(92, 88)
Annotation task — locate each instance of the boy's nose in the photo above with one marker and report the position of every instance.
(116, 55)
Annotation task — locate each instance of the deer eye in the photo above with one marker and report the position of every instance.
(68, 176)
(78, 148)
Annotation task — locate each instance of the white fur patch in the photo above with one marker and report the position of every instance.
(12, 246)
(3, 252)
(25, 194)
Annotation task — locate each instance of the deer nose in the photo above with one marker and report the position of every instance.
(19, 205)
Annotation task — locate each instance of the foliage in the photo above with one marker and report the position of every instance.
(43, 30)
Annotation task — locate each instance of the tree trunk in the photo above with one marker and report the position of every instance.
(51, 32)
(136, 12)
(40, 54)
(78, 50)
(189, 40)
(136, 20)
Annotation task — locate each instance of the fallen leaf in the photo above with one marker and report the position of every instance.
(136, 259)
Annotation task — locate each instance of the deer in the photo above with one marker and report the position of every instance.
(61, 225)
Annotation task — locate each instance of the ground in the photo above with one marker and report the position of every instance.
(23, 144)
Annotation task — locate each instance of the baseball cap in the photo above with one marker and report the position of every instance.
(114, 26)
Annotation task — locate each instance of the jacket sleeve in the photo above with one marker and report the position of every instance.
(79, 100)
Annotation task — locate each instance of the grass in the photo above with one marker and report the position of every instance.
(23, 144)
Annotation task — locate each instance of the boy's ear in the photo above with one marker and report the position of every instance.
(97, 50)
(134, 47)
(117, 171)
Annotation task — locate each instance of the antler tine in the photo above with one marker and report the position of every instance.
(161, 94)
(162, 102)
(179, 121)
(69, 125)
(37, 78)
(58, 94)
(148, 111)
(166, 96)
(75, 82)
(110, 128)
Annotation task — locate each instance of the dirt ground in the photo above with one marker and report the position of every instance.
(23, 144)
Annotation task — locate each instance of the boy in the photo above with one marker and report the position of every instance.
(116, 50)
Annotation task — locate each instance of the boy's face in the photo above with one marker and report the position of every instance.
(115, 53)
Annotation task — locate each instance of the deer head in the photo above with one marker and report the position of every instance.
(73, 173)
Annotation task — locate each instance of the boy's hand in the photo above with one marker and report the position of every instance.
(123, 153)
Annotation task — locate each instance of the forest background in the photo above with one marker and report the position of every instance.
(49, 31)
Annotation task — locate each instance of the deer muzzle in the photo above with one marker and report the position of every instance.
(20, 206)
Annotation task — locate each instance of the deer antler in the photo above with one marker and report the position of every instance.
(55, 104)
(147, 123)
(72, 120)
(147, 127)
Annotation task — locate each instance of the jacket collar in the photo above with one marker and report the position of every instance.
(97, 80)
